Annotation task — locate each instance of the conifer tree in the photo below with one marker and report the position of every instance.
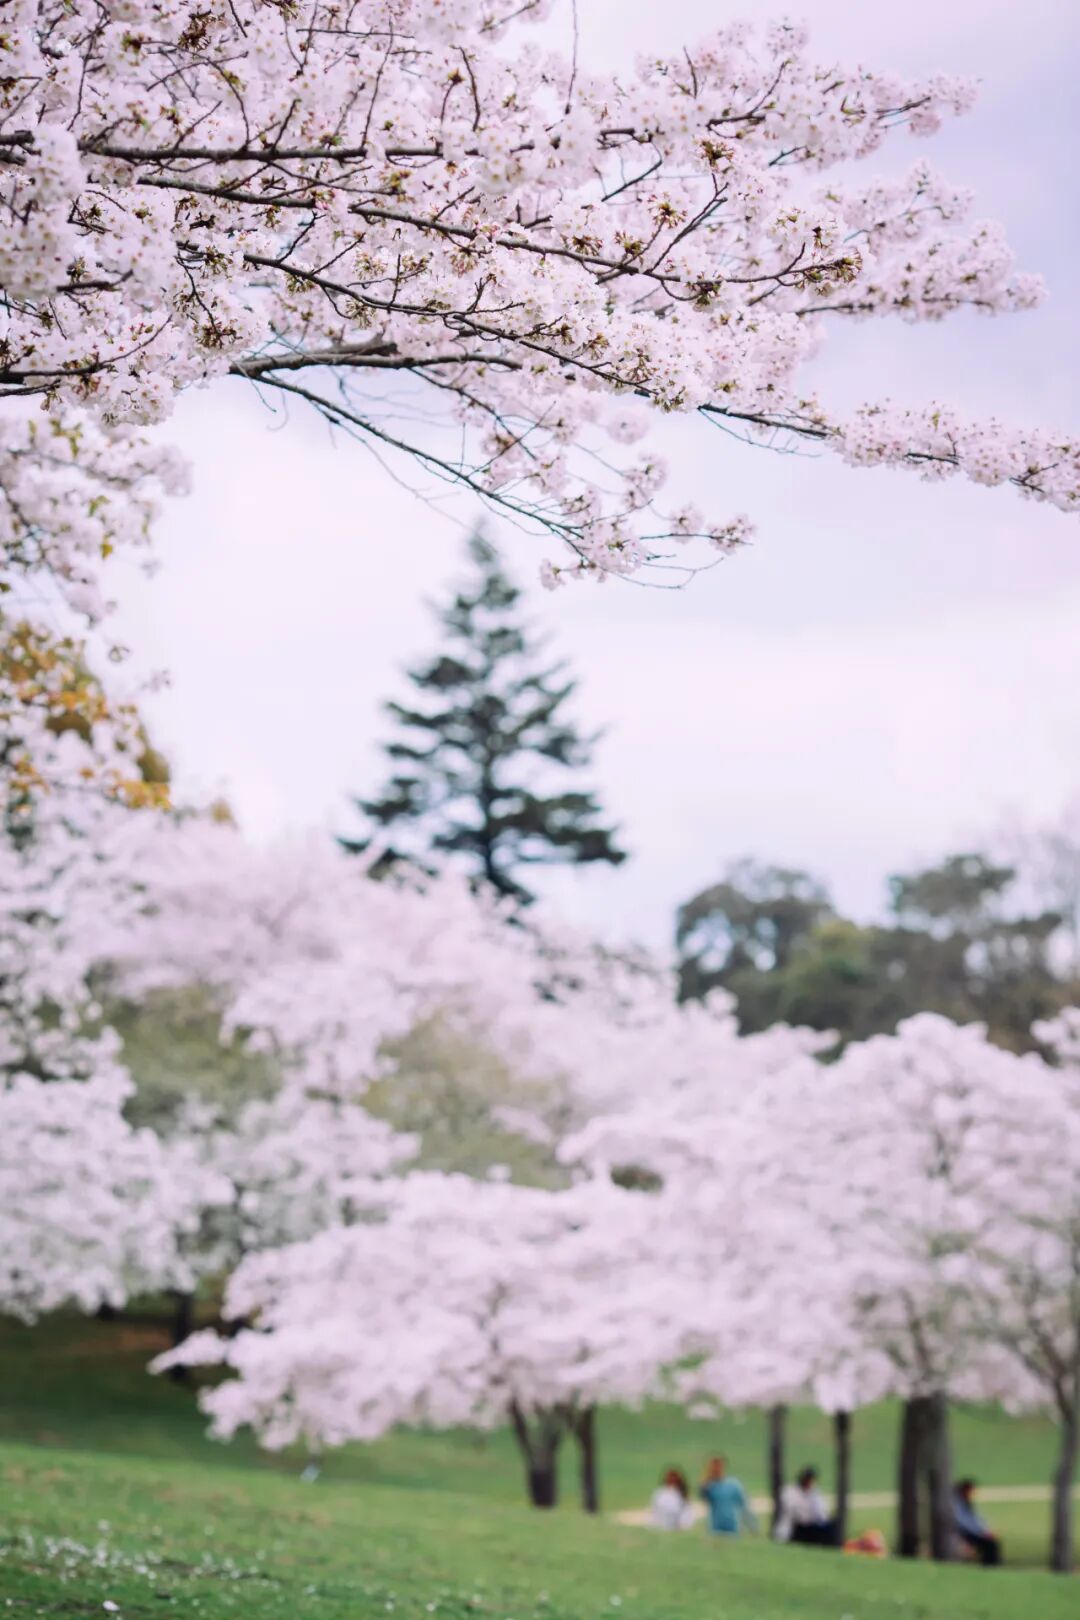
(485, 764)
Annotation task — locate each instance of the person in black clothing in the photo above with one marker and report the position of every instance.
(804, 1518)
(971, 1527)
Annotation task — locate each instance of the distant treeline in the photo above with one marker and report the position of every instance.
(972, 938)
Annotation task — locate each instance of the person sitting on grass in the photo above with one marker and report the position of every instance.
(670, 1509)
(803, 1516)
(971, 1528)
(728, 1504)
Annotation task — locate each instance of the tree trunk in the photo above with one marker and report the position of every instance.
(938, 1456)
(1061, 1542)
(585, 1431)
(540, 1450)
(907, 1480)
(543, 1482)
(183, 1321)
(777, 1422)
(842, 1439)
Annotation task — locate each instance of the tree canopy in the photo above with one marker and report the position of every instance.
(492, 264)
(954, 941)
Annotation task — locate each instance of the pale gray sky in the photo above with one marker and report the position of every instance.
(890, 668)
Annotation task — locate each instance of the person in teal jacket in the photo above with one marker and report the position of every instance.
(727, 1503)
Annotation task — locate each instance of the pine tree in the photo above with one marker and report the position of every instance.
(478, 750)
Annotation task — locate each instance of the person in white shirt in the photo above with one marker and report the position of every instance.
(803, 1515)
(670, 1507)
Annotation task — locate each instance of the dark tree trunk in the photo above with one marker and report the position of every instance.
(107, 1313)
(842, 1440)
(540, 1450)
(907, 1481)
(183, 1321)
(585, 1434)
(938, 1454)
(1061, 1541)
(543, 1482)
(777, 1424)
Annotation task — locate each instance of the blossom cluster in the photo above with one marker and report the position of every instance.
(92, 1208)
(775, 1227)
(194, 191)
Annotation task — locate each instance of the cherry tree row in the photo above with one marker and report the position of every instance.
(727, 1221)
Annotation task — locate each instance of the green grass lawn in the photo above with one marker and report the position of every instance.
(109, 1491)
(81, 1530)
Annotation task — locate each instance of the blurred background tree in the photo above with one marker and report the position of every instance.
(487, 767)
(176, 1054)
(452, 1092)
(957, 939)
(746, 927)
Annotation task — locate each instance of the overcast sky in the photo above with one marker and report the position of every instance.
(890, 669)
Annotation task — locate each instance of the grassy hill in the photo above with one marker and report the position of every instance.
(81, 1530)
(111, 1492)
